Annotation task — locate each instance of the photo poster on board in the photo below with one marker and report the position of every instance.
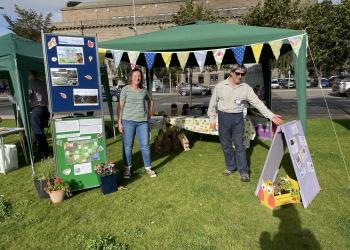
(72, 73)
(291, 135)
(79, 145)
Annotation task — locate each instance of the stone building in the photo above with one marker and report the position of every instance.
(111, 19)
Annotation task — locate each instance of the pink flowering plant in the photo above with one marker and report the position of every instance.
(55, 183)
(106, 168)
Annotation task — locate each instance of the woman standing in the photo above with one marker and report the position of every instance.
(134, 119)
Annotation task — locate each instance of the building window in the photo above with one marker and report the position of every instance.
(214, 78)
(201, 79)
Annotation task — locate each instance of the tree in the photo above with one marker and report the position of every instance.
(190, 12)
(275, 13)
(29, 23)
(327, 25)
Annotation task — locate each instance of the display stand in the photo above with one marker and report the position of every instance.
(73, 77)
(79, 146)
(291, 136)
(73, 74)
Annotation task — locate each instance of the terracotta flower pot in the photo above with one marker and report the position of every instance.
(57, 196)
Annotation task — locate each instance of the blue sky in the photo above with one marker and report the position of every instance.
(43, 6)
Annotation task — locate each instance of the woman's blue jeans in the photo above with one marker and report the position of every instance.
(141, 129)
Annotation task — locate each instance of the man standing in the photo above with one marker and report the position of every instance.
(227, 102)
(39, 113)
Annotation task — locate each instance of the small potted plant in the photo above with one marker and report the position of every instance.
(284, 191)
(57, 189)
(107, 173)
(45, 169)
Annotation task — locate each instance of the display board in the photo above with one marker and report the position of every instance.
(72, 73)
(291, 136)
(79, 145)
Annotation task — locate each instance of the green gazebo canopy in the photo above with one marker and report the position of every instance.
(18, 56)
(206, 36)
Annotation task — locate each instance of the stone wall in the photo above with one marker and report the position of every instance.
(113, 10)
(114, 19)
(110, 20)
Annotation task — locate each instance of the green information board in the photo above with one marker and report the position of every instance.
(79, 145)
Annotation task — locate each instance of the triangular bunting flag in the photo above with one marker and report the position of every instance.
(183, 57)
(133, 55)
(117, 56)
(257, 48)
(150, 56)
(276, 47)
(218, 56)
(239, 54)
(200, 56)
(102, 55)
(167, 58)
(295, 42)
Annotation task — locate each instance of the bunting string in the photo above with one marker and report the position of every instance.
(200, 55)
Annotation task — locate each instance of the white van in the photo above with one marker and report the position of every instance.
(275, 84)
(344, 87)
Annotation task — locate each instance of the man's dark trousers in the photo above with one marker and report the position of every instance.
(39, 118)
(231, 131)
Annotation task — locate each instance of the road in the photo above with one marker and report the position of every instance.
(283, 103)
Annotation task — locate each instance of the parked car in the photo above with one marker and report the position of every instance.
(114, 95)
(288, 83)
(311, 83)
(275, 84)
(199, 109)
(280, 80)
(314, 82)
(156, 86)
(344, 87)
(324, 83)
(197, 89)
(334, 82)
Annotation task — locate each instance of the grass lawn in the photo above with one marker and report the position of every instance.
(190, 205)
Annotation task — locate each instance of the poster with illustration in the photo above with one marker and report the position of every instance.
(79, 146)
(70, 55)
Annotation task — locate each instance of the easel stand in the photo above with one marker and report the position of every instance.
(291, 136)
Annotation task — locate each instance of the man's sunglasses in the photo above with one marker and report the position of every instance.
(239, 73)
